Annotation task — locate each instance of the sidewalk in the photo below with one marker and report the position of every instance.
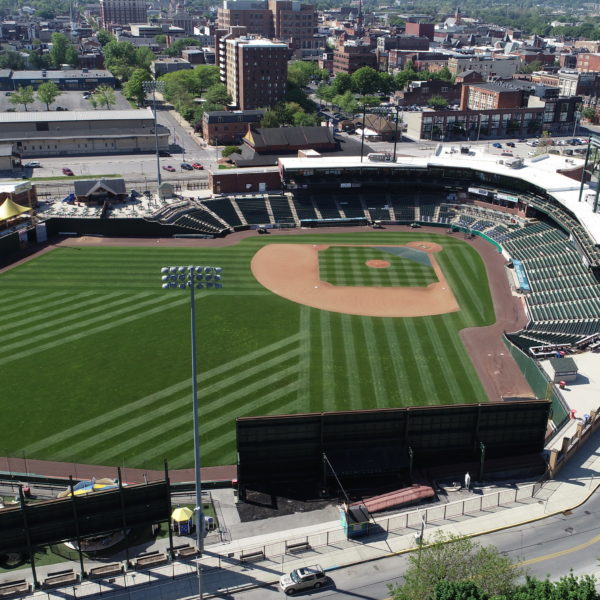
(225, 571)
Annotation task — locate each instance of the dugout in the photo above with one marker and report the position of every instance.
(368, 449)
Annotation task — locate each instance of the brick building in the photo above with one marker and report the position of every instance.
(224, 127)
(485, 96)
(295, 23)
(588, 62)
(487, 66)
(123, 12)
(419, 92)
(420, 29)
(255, 72)
(255, 15)
(351, 56)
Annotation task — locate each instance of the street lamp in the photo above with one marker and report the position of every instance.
(194, 278)
(155, 86)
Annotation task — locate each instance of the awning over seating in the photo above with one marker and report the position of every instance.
(10, 209)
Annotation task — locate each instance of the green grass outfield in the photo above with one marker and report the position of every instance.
(95, 356)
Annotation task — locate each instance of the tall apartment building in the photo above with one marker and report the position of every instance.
(285, 20)
(351, 56)
(123, 12)
(255, 15)
(294, 23)
(255, 72)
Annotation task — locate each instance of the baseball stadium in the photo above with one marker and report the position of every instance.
(406, 286)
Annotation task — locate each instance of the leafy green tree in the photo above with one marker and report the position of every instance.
(300, 72)
(588, 113)
(303, 119)
(120, 59)
(326, 93)
(229, 150)
(217, 94)
(443, 74)
(206, 76)
(160, 38)
(104, 36)
(47, 93)
(566, 588)
(71, 57)
(365, 81)
(177, 46)
(347, 102)
(143, 58)
(341, 83)
(438, 102)
(104, 96)
(12, 60)
(270, 119)
(458, 590)
(536, 65)
(133, 88)
(454, 559)
(23, 95)
(39, 61)
(369, 101)
(58, 51)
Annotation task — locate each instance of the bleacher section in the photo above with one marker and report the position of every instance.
(327, 207)
(564, 302)
(304, 207)
(225, 210)
(351, 206)
(281, 209)
(377, 205)
(254, 209)
(200, 220)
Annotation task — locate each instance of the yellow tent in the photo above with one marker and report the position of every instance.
(182, 514)
(10, 209)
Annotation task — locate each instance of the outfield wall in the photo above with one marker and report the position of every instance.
(9, 244)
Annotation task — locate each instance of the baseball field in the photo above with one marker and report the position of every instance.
(95, 356)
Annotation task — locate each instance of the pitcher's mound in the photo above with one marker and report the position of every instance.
(378, 264)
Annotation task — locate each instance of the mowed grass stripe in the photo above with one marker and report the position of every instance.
(304, 360)
(75, 314)
(441, 349)
(218, 449)
(329, 386)
(394, 355)
(134, 304)
(420, 358)
(372, 356)
(353, 372)
(14, 307)
(163, 449)
(159, 396)
(210, 394)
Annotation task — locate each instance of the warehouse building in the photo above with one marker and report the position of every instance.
(37, 134)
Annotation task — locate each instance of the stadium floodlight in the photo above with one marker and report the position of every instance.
(194, 278)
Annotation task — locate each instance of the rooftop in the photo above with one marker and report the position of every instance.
(76, 115)
(71, 74)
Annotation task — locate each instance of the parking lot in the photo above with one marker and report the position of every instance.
(70, 100)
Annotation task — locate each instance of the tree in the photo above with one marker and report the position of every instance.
(143, 58)
(39, 61)
(206, 76)
(104, 95)
(22, 95)
(104, 37)
(569, 586)
(458, 590)
(326, 92)
(47, 93)
(347, 102)
(161, 38)
(341, 83)
(588, 113)
(229, 150)
(438, 102)
(217, 94)
(180, 44)
(304, 119)
(120, 59)
(12, 60)
(365, 81)
(456, 559)
(270, 119)
(300, 72)
(58, 51)
(71, 57)
(133, 89)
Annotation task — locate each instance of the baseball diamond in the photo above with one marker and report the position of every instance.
(111, 350)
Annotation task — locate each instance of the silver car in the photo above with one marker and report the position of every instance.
(312, 577)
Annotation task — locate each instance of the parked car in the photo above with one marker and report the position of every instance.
(302, 579)
(169, 168)
(522, 140)
(506, 153)
(510, 144)
(497, 145)
(9, 93)
(197, 166)
(32, 164)
(164, 153)
(186, 166)
(67, 171)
